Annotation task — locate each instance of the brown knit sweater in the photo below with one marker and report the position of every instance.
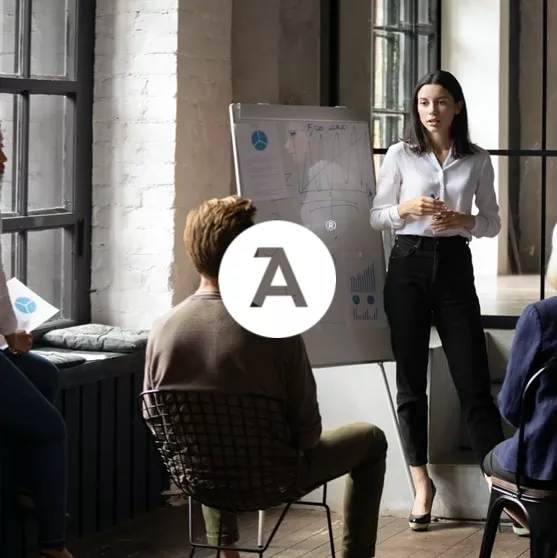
(199, 346)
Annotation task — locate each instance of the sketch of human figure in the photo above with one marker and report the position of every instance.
(329, 169)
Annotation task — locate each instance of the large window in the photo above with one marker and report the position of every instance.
(531, 157)
(405, 47)
(46, 82)
(503, 54)
(405, 43)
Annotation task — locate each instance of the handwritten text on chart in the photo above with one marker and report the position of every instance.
(319, 127)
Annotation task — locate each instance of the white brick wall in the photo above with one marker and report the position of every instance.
(163, 82)
(134, 146)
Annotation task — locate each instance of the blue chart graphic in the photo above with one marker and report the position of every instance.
(362, 287)
(259, 140)
(25, 305)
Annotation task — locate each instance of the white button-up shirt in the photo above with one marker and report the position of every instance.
(405, 175)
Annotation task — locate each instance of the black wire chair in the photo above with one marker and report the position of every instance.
(229, 452)
(539, 506)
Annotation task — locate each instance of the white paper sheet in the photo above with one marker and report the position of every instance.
(30, 309)
(262, 170)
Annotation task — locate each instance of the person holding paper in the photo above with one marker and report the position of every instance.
(425, 189)
(28, 388)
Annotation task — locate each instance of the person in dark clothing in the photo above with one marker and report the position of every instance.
(28, 388)
(534, 346)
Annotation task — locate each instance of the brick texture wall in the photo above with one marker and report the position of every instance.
(134, 147)
(166, 72)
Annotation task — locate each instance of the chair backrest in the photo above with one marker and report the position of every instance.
(227, 451)
(527, 405)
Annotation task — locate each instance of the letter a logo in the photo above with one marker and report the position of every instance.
(277, 279)
(292, 287)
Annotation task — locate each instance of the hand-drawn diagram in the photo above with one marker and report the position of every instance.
(328, 187)
(330, 165)
(329, 157)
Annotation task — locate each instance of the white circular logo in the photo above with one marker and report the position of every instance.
(277, 279)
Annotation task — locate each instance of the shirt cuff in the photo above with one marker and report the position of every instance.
(474, 231)
(396, 220)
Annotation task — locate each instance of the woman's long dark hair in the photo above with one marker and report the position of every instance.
(416, 134)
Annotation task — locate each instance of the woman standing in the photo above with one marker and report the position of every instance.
(425, 189)
(28, 387)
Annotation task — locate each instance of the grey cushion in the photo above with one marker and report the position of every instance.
(61, 360)
(97, 337)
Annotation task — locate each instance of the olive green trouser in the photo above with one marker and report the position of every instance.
(360, 449)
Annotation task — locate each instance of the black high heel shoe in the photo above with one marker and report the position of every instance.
(422, 522)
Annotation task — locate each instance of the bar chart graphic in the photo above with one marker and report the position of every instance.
(363, 282)
(363, 305)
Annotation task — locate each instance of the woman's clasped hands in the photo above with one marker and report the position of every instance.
(443, 217)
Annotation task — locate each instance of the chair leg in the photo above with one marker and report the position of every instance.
(260, 522)
(540, 548)
(491, 528)
(330, 528)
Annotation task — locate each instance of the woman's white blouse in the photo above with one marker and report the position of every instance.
(8, 320)
(405, 175)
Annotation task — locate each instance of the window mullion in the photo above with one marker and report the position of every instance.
(25, 14)
(22, 182)
(22, 154)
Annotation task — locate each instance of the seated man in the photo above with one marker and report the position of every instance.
(534, 346)
(230, 359)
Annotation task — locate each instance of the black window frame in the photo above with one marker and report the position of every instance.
(78, 88)
(411, 30)
(515, 152)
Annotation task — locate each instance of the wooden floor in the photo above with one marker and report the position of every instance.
(303, 533)
(507, 295)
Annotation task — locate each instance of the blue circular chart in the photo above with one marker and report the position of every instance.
(370, 299)
(356, 299)
(25, 305)
(259, 140)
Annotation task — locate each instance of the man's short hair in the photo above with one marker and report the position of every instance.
(211, 228)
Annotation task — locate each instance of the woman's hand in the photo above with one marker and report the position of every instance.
(449, 219)
(19, 342)
(421, 206)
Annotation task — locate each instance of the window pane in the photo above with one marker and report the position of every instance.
(426, 13)
(507, 267)
(550, 218)
(551, 115)
(47, 152)
(526, 110)
(8, 254)
(8, 36)
(426, 54)
(47, 273)
(387, 129)
(7, 187)
(391, 70)
(392, 12)
(52, 32)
